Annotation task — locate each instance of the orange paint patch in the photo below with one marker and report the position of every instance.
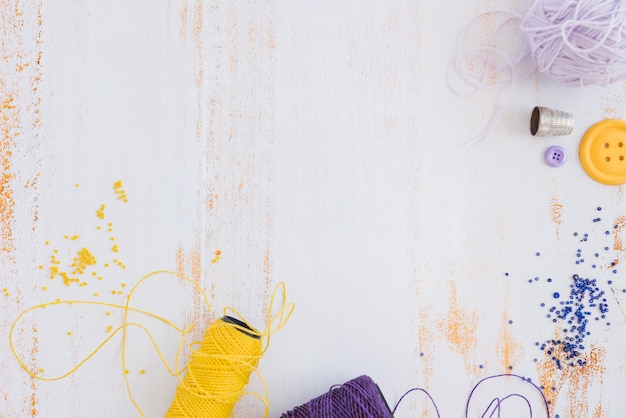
(180, 260)
(20, 123)
(426, 347)
(184, 16)
(200, 311)
(197, 38)
(618, 244)
(555, 213)
(211, 201)
(33, 382)
(573, 385)
(598, 412)
(267, 263)
(191, 265)
(271, 37)
(509, 348)
(10, 120)
(460, 329)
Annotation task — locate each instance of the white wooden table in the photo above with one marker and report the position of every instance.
(311, 142)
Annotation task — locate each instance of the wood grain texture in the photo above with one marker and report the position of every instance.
(316, 143)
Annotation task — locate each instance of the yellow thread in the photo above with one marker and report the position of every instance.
(216, 388)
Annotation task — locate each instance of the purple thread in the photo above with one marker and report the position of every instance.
(417, 390)
(361, 398)
(358, 398)
(496, 403)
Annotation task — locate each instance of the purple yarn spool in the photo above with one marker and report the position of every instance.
(358, 398)
(578, 42)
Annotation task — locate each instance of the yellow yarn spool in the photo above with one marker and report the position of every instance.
(219, 368)
(218, 371)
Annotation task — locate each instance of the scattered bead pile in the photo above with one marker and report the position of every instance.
(585, 301)
(119, 191)
(83, 264)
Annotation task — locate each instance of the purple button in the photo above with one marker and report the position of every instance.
(555, 156)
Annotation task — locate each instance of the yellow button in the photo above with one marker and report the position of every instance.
(602, 152)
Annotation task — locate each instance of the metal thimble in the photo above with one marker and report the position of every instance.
(549, 122)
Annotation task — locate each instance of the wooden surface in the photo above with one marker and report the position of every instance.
(313, 142)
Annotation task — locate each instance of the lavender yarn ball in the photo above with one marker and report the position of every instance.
(578, 42)
(358, 398)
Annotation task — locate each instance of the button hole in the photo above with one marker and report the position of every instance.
(620, 144)
(608, 159)
(621, 158)
(606, 145)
